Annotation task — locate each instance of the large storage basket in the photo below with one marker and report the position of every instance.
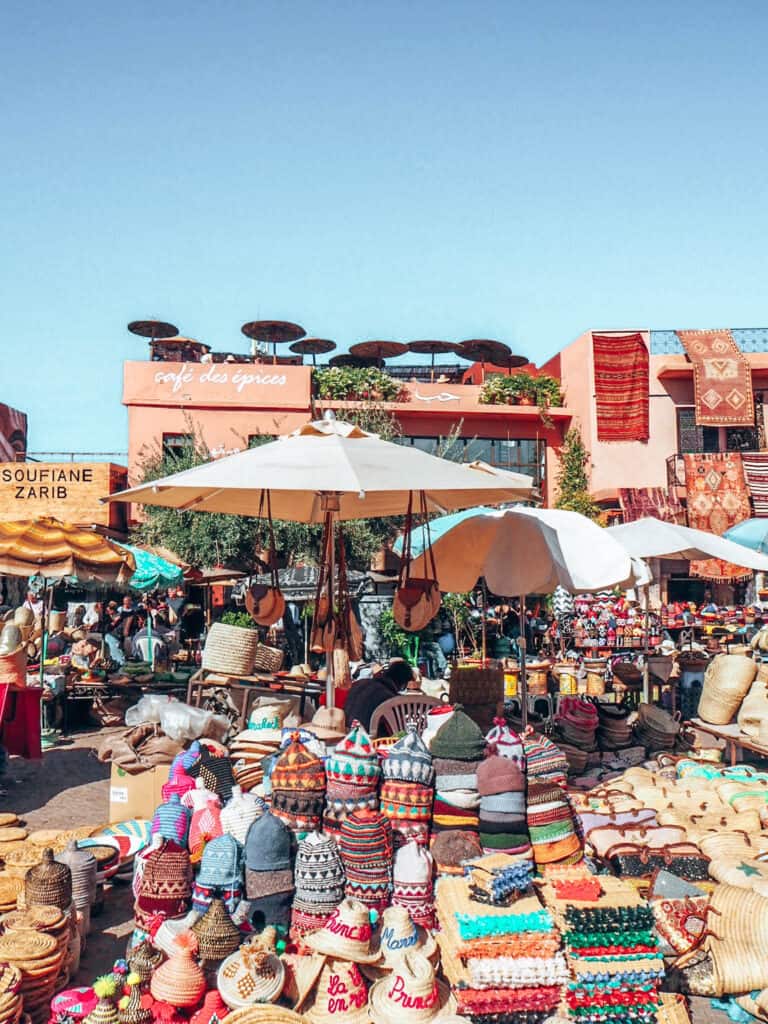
(230, 650)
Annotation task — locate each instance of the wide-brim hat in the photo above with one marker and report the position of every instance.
(325, 1009)
(413, 978)
(425, 943)
(347, 935)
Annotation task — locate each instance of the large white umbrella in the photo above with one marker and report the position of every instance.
(369, 476)
(329, 468)
(653, 538)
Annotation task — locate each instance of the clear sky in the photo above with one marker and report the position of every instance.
(435, 169)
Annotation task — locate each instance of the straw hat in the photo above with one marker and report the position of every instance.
(398, 936)
(328, 723)
(347, 934)
(254, 974)
(180, 981)
(340, 995)
(410, 992)
(261, 1014)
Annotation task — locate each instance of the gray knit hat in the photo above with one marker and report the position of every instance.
(409, 760)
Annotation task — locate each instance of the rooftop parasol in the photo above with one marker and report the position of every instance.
(432, 349)
(313, 347)
(153, 329)
(378, 349)
(273, 332)
(347, 359)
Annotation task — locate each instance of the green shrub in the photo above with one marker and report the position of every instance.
(355, 383)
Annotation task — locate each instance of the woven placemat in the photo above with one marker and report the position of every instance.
(26, 946)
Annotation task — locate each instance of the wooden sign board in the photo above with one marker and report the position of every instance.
(69, 491)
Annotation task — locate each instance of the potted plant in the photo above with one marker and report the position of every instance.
(355, 383)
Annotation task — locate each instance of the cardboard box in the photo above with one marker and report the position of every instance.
(136, 796)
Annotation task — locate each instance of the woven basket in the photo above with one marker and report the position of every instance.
(476, 685)
(230, 650)
(738, 924)
(267, 659)
(48, 883)
(672, 1010)
(726, 682)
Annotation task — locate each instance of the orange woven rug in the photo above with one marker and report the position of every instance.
(722, 379)
(621, 387)
(717, 498)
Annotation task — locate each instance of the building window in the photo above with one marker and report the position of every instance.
(175, 446)
(523, 455)
(693, 438)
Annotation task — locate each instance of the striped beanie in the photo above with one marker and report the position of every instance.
(550, 824)
(412, 886)
(460, 739)
(298, 787)
(216, 773)
(451, 773)
(544, 760)
(502, 824)
(171, 820)
(354, 761)
(366, 853)
(408, 760)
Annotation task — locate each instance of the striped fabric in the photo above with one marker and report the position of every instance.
(756, 471)
(54, 549)
(621, 387)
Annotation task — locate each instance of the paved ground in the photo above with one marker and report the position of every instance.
(69, 787)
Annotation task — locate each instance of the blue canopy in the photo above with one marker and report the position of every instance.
(751, 533)
(151, 570)
(438, 527)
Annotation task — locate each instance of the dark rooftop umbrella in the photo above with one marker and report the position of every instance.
(347, 359)
(313, 347)
(152, 329)
(273, 332)
(378, 349)
(432, 349)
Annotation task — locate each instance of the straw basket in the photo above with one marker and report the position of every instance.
(537, 678)
(726, 682)
(595, 668)
(672, 1010)
(267, 659)
(469, 685)
(567, 680)
(230, 650)
(738, 924)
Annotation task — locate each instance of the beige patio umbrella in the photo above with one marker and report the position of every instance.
(53, 549)
(329, 467)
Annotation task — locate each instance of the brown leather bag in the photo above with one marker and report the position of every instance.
(264, 602)
(417, 599)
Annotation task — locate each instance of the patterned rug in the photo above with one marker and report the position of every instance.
(717, 498)
(640, 502)
(756, 471)
(722, 379)
(621, 387)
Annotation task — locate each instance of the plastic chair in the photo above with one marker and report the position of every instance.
(396, 712)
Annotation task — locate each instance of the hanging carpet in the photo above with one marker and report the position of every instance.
(722, 379)
(717, 499)
(756, 471)
(658, 502)
(621, 387)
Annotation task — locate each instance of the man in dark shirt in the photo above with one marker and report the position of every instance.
(367, 694)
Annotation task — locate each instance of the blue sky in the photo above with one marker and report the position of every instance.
(397, 170)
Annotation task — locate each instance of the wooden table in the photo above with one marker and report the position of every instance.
(735, 739)
(245, 690)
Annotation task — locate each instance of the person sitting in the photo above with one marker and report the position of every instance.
(368, 693)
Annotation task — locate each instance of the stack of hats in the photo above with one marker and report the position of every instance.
(269, 871)
(611, 949)
(352, 779)
(298, 787)
(551, 825)
(503, 962)
(216, 773)
(544, 761)
(221, 873)
(505, 742)
(347, 935)
(319, 881)
(247, 752)
(206, 820)
(165, 885)
(457, 750)
(171, 820)
(406, 792)
(366, 853)
(501, 785)
(240, 813)
(412, 883)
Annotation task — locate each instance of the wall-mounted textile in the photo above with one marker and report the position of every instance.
(640, 502)
(717, 497)
(756, 471)
(722, 379)
(621, 387)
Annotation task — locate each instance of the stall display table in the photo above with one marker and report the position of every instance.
(735, 739)
(245, 690)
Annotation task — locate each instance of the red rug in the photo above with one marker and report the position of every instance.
(640, 502)
(621, 387)
(756, 471)
(722, 379)
(717, 498)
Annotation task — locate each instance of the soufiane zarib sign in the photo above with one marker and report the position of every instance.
(43, 483)
(71, 491)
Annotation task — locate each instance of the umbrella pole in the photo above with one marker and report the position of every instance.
(329, 681)
(484, 621)
(523, 675)
(44, 624)
(646, 651)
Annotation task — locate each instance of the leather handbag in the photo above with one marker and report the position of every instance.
(652, 837)
(417, 599)
(323, 633)
(264, 602)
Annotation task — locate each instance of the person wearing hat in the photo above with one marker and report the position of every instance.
(367, 694)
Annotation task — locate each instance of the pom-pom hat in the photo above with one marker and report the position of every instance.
(408, 760)
(354, 760)
(505, 742)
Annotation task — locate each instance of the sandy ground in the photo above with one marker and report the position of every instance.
(69, 787)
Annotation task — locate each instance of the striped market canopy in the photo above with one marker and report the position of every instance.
(50, 548)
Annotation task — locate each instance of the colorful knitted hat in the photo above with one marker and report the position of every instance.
(457, 810)
(550, 824)
(544, 760)
(450, 773)
(408, 760)
(412, 886)
(354, 761)
(216, 773)
(319, 873)
(222, 864)
(166, 883)
(180, 981)
(408, 808)
(366, 853)
(240, 813)
(205, 826)
(460, 739)
(497, 774)
(178, 782)
(186, 760)
(198, 796)
(171, 820)
(505, 742)
(73, 1004)
(298, 787)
